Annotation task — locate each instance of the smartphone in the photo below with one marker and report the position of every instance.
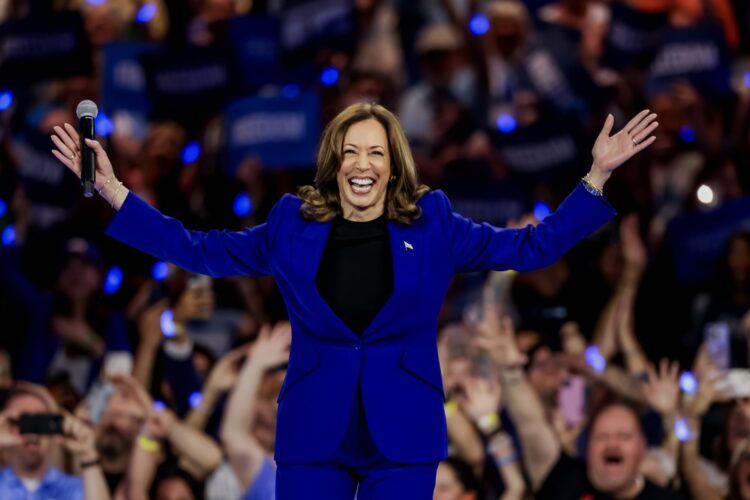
(716, 338)
(736, 383)
(98, 399)
(572, 400)
(117, 363)
(40, 423)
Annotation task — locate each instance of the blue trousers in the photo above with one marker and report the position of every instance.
(356, 468)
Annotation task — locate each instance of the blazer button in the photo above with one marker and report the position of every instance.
(357, 347)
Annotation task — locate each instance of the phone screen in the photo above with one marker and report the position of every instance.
(572, 400)
(40, 423)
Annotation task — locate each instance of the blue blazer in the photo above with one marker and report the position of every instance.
(395, 361)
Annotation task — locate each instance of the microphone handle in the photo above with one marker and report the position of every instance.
(88, 170)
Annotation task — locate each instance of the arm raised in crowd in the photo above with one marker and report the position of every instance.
(79, 439)
(540, 446)
(223, 377)
(244, 451)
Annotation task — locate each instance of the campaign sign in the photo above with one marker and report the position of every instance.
(43, 47)
(546, 150)
(257, 45)
(281, 131)
(475, 194)
(309, 24)
(698, 239)
(633, 37)
(124, 79)
(697, 54)
(189, 84)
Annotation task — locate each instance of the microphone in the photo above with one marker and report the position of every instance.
(86, 112)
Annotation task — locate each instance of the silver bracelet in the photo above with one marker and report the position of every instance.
(109, 179)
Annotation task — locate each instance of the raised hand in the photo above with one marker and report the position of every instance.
(224, 374)
(272, 345)
(68, 144)
(662, 390)
(610, 152)
(499, 340)
(483, 397)
(79, 438)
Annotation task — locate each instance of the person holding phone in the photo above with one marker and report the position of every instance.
(363, 260)
(29, 424)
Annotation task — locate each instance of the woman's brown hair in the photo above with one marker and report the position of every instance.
(322, 201)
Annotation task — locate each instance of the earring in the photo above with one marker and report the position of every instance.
(393, 178)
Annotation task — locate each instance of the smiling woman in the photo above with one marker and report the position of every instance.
(363, 260)
(365, 169)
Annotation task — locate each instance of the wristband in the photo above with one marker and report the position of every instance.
(488, 423)
(91, 463)
(506, 460)
(148, 444)
(450, 407)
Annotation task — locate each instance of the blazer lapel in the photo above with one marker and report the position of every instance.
(308, 250)
(406, 252)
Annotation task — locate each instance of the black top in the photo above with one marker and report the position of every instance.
(355, 276)
(568, 481)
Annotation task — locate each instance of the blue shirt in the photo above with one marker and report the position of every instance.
(263, 486)
(55, 485)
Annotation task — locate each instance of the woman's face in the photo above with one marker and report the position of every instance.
(365, 170)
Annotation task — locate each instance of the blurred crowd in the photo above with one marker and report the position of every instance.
(619, 371)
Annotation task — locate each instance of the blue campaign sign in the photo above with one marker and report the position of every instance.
(310, 24)
(281, 131)
(257, 45)
(189, 84)
(43, 47)
(697, 54)
(633, 36)
(124, 79)
(698, 239)
(547, 150)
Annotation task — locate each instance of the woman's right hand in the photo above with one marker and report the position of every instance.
(68, 151)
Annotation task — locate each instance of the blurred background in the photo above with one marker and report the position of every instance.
(211, 110)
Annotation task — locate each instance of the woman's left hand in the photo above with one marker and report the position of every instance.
(610, 152)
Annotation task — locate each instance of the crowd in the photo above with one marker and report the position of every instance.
(620, 371)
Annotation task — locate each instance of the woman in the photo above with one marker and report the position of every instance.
(363, 260)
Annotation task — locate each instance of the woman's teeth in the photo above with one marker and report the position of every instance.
(361, 186)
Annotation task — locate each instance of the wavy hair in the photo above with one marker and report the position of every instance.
(322, 202)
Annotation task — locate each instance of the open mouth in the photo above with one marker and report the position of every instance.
(613, 459)
(361, 185)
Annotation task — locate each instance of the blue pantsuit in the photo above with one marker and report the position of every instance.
(392, 369)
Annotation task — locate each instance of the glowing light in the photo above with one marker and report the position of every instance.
(541, 210)
(746, 79)
(705, 194)
(329, 76)
(95, 2)
(195, 399)
(146, 13)
(3, 208)
(191, 152)
(9, 235)
(687, 134)
(166, 321)
(290, 90)
(160, 271)
(688, 383)
(479, 24)
(103, 124)
(595, 359)
(159, 406)
(682, 430)
(243, 205)
(113, 280)
(6, 99)
(506, 123)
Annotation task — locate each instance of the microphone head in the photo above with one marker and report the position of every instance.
(87, 108)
